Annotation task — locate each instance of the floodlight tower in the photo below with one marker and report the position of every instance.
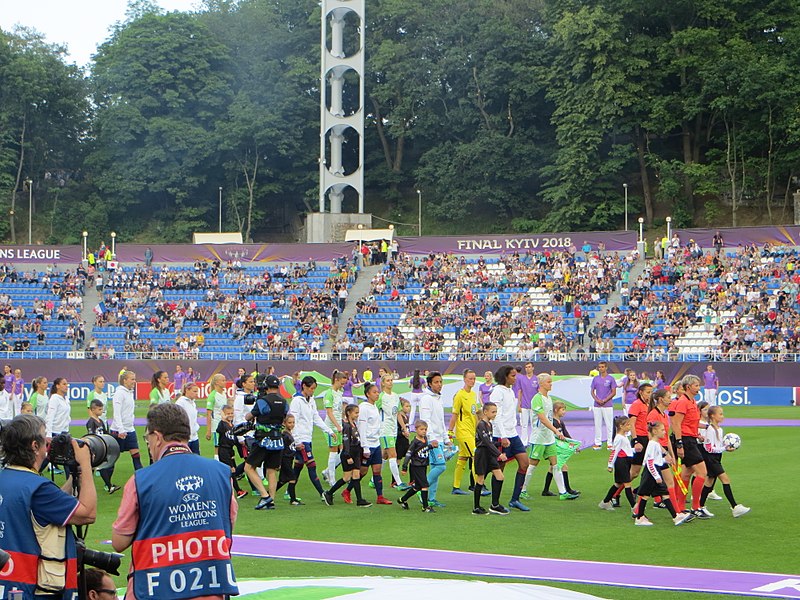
(334, 123)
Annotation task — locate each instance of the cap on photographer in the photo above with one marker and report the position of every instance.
(181, 505)
(43, 537)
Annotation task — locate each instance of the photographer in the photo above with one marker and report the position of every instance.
(181, 505)
(34, 514)
(99, 585)
(268, 412)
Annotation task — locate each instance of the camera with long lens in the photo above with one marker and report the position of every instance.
(103, 450)
(108, 561)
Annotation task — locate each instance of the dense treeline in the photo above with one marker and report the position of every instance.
(508, 114)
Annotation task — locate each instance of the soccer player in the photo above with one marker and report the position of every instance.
(463, 421)
(351, 457)
(526, 386)
(559, 410)
(431, 411)
(488, 457)
(334, 404)
(486, 387)
(188, 402)
(225, 442)
(215, 403)
(98, 393)
(389, 407)
(710, 385)
(304, 409)
(419, 457)
(369, 429)
(544, 438)
(505, 429)
(603, 389)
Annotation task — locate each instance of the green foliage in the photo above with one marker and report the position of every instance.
(511, 115)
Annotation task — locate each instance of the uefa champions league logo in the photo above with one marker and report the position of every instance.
(189, 483)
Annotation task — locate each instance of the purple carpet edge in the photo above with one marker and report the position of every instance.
(769, 585)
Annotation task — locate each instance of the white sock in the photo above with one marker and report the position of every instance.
(558, 475)
(395, 470)
(332, 467)
(528, 475)
(260, 471)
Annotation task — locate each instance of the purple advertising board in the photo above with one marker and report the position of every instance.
(522, 243)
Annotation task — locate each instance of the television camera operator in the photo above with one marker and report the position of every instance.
(178, 515)
(268, 412)
(35, 514)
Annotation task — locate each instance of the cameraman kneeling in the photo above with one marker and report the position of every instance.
(35, 513)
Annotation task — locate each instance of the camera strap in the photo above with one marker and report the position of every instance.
(178, 448)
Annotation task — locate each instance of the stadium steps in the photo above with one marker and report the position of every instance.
(359, 290)
(90, 301)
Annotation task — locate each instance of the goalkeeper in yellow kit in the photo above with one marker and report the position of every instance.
(463, 423)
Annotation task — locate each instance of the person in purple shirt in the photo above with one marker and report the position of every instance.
(19, 391)
(352, 381)
(178, 381)
(191, 376)
(660, 382)
(710, 385)
(486, 387)
(7, 395)
(526, 387)
(604, 387)
(630, 389)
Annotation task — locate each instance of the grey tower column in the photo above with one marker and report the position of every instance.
(333, 122)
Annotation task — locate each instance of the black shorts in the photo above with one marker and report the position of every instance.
(691, 452)
(485, 462)
(622, 470)
(650, 487)
(356, 457)
(271, 459)
(714, 464)
(419, 477)
(638, 457)
(226, 456)
(287, 469)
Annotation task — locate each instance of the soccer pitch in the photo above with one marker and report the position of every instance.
(763, 475)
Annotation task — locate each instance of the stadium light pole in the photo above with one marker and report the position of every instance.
(220, 209)
(85, 235)
(641, 229)
(669, 228)
(419, 214)
(30, 210)
(625, 188)
(113, 245)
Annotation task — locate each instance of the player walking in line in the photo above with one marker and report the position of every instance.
(389, 407)
(619, 463)
(403, 435)
(334, 404)
(685, 421)
(715, 446)
(369, 429)
(351, 458)
(710, 385)
(653, 481)
(659, 402)
(159, 388)
(225, 442)
(544, 438)
(505, 430)
(431, 411)
(638, 411)
(98, 393)
(463, 421)
(526, 386)
(488, 457)
(603, 389)
(418, 457)
(215, 403)
(304, 409)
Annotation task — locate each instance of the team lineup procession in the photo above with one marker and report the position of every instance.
(390, 299)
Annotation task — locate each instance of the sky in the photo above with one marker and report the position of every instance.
(81, 25)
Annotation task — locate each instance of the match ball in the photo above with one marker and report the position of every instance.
(594, 373)
(732, 441)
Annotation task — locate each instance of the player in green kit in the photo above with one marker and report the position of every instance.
(216, 401)
(98, 393)
(334, 403)
(389, 406)
(544, 437)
